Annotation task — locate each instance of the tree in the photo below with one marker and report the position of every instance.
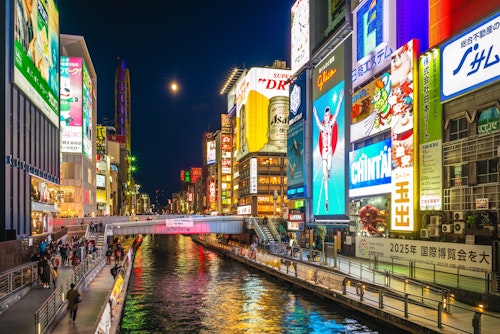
(321, 232)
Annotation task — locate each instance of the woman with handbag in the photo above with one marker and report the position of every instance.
(74, 297)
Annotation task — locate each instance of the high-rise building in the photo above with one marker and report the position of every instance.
(78, 113)
(29, 143)
(123, 121)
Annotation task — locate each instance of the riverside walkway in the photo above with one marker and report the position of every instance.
(420, 306)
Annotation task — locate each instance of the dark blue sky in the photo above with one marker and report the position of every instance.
(193, 42)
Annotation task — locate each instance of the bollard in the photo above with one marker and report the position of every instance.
(440, 314)
(344, 286)
(476, 323)
(359, 291)
(406, 305)
(381, 299)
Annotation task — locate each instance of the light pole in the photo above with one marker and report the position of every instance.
(275, 198)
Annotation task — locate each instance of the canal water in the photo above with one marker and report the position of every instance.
(177, 286)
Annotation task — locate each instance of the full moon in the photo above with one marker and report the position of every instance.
(174, 87)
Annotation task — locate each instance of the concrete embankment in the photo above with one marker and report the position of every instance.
(401, 310)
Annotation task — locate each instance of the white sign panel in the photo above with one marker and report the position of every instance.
(179, 222)
(471, 60)
(446, 254)
(300, 34)
(253, 175)
(245, 210)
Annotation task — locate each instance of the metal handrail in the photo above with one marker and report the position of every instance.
(48, 311)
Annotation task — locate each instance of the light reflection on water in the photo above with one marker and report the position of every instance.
(178, 287)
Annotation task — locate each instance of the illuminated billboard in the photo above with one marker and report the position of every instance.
(370, 169)
(374, 38)
(100, 181)
(404, 150)
(211, 152)
(71, 120)
(328, 136)
(472, 59)
(262, 100)
(87, 106)
(100, 139)
(297, 99)
(430, 133)
(300, 48)
(448, 17)
(295, 156)
(36, 54)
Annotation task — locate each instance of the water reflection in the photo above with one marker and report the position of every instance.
(179, 287)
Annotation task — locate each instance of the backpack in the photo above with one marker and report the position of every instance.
(109, 252)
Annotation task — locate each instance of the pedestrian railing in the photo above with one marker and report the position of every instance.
(425, 304)
(48, 311)
(17, 279)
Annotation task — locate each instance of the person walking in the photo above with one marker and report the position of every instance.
(74, 298)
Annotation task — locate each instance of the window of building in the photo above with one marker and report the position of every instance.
(487, 171)
(459, 175)
(488, 121)
(459, 128)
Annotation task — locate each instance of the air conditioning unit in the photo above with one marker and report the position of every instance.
(424, 233)
(459, 227)
(435, 220)
(447, 228)
(434, 231)
(458, 216)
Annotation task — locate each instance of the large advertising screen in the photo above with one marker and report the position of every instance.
(328, 136)
(300, 47)
(211, 152)
(472, 59)
(298, 96)
(404, 150)
(71, 119)
(262, 99)
(370, 169)
(87, 105)
(430, 133)
(374, 39)
(36, 54)
(100, 139)
(295, 156)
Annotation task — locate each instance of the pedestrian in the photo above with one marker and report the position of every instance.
(114, 271)
(55, 262)
(109, 253)
(53, 276)
(46, 272)
(75, 262)
(74, 297)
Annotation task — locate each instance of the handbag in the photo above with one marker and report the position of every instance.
(78, 299)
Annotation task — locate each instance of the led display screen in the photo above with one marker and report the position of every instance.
(36, 54)
(71, 119)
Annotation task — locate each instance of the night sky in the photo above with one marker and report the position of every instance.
(195, 43)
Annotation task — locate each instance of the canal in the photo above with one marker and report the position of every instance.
(177, 286)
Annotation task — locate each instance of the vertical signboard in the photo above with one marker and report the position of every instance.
(87, 104)
(328, 136)
(472, 59)
(36, 54)
(300, 48)
(100, 140)
(374, 38)
(403, 136)
(253, 175)
(71, 120)
(295, 156)
(430, 133)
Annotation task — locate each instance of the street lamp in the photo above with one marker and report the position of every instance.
(275, 198)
